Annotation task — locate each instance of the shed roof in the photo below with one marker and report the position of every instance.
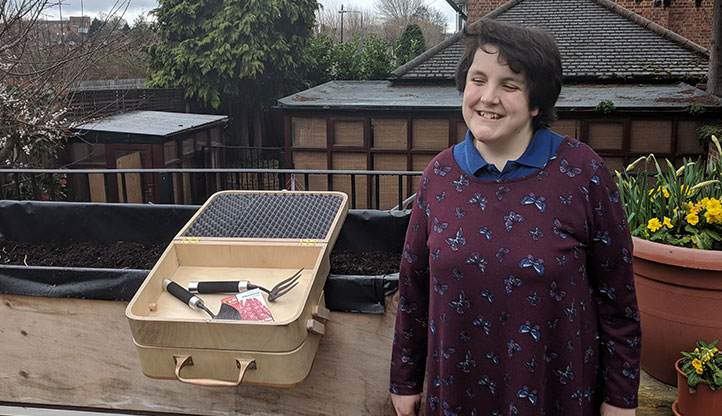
(151, 123)
(384, 95)
(597, 39)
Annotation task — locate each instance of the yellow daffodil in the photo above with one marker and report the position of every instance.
(668, 222)
(654, 224)
(665, 192)
(692, 219)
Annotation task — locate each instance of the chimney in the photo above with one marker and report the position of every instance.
(480, 8)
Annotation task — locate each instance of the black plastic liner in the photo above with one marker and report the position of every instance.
(39, 222)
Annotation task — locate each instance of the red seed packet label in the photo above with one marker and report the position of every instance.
(251, 305)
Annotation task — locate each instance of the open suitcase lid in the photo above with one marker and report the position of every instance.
(260, 215)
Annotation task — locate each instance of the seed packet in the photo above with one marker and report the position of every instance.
(251, 305)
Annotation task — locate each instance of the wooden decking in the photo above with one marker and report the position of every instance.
(80, 353)
(655, 397)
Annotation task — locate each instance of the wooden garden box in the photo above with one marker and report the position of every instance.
(263, 237)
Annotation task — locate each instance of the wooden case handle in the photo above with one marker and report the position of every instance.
(243, 364)
(316, 327)
(320, 311)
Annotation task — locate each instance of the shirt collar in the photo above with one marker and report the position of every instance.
(538, 152)
(536, 155)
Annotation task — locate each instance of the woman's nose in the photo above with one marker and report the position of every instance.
(489, 95)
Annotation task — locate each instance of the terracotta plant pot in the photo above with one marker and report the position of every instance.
(679, 291)
(704, 401)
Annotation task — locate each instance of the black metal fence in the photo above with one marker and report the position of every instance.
(194, 186)
(245, 157)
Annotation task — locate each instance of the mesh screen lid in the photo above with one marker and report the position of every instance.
(267, 215)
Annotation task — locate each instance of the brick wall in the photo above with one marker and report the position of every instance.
(681, 17)
(479, 8)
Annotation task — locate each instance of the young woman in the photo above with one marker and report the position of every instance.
(516, 285)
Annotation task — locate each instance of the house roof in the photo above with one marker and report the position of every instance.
(385, 95)
(151, 123)
(597, 39)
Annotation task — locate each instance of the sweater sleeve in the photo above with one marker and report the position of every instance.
(612, 279)
(408, 359)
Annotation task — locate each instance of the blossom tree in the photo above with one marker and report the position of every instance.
(36, 71)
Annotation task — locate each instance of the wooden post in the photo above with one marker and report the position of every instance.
(714, 74)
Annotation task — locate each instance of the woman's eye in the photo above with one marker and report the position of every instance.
(511, 87)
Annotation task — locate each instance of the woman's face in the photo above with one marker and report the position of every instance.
(496, 100)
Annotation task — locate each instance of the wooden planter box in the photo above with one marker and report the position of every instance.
(80, 354)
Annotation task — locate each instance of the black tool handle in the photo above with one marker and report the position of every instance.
(218, 287)
(178, 291)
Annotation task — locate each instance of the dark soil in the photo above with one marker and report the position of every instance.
(378, 262)
(124, 255)
(121, 255)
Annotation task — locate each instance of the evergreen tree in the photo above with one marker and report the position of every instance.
(321, 52)
(247, 52)
(410, 45)
(376, 59)
(346, 61)
(95, 25)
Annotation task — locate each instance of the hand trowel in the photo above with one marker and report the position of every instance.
(226, 311)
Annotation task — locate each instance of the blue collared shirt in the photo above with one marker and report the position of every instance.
(543, 145)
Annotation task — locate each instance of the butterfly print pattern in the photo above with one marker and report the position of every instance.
(508, 333)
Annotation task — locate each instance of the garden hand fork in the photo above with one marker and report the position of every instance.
(280, 289)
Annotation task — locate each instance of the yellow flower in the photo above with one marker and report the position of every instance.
(713, 205)
(665, 192)
(695, 209)
(654, 224)
(703, 202)
(696, 363)
(713, 216)
(668, 222)
(699, 370)
(675, 210)
(692, 218)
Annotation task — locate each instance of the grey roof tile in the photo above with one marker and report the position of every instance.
(594, 41)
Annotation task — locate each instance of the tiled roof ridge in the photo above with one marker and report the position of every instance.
(652, 26)
(400, 71)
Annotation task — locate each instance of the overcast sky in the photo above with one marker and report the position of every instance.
(134, 8)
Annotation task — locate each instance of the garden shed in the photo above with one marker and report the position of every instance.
(630, 88)
(147, 140)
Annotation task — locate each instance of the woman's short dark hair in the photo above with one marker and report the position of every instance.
(532, 52)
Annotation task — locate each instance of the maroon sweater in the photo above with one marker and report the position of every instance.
(517, 296)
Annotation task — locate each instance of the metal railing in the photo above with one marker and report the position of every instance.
(366, 188)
